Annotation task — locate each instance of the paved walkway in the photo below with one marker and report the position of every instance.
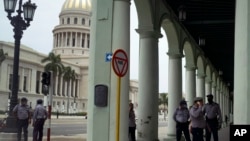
(223, 133)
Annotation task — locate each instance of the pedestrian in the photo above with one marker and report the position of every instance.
(181, 117)
(23, 115)
(132, 124)
(213, 118)
(198, 123)
(39, 117)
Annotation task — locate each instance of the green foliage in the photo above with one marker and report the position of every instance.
(163, 99)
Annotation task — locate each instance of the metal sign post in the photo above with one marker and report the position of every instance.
(120, 67)
(49, 105)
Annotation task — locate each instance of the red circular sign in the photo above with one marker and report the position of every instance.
(120, 62)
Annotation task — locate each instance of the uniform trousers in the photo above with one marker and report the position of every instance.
(213, 125)
(22, 125)
(131, 133)
(182, 127)
(38, 130)
(197, 134)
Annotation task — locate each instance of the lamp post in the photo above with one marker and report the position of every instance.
(19, 23)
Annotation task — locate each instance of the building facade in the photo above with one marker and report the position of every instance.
(71, 40)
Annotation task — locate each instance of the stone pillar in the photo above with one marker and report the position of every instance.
(148, 87)
(21, 75)
(4, 75)
(175, 89)
(74, 88)
(214, 93)
(80, 39)
(190, 85)
(86, 40)
(56, 86)
(33, 81)
(109, 19)
(218, 95)
(201, 86)
(242, 64)
(208, 89)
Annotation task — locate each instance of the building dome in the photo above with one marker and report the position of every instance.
(77, 5)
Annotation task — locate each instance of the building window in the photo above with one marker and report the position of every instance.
(83, 105)
(62, 21)
(37, 86)
(75, 20)
(25, 84)
(68, 21)
(72, 51)
(89, 22)
(83, 21)
(73, 41)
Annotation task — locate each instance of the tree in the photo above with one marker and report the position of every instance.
(69, 76)
(2, 56)
(164, 101)
(55, 65)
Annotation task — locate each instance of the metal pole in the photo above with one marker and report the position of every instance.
(17, 23)
(118, 99)
(49, 106)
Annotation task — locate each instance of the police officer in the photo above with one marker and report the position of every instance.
(23, 115)
(198, 122)
(39, 117)
(181, 117)
(213, 118)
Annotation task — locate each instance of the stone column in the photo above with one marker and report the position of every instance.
(21, 75)
(56, 86)
(110, 22)
(33, 81)
(208, 89)
(214, 93)
(148, 87)
(190, 85)
(242, 64)
(201, 86)
(86, 40)
(175, 89)
(4, 75)
(28, 88)
(74, 88)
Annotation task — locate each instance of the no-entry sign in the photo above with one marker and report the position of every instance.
(120, 62)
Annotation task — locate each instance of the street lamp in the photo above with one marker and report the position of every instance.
(19, 25)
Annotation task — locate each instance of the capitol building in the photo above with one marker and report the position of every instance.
(71, 38)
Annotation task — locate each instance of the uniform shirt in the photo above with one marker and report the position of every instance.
(181, 115)
(23, 111)
(197, 117)
(213, 111)
(40, 112)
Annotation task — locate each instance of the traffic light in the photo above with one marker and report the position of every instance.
(46, 78)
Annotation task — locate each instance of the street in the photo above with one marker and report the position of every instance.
(64, 127)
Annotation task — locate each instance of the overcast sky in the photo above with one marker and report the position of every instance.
(39, 36)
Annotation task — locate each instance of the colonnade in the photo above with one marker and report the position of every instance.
(71, 39)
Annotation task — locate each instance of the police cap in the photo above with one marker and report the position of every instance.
(210, 95)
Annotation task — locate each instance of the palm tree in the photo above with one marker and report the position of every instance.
(69, 76)
(55, 65)
(164, 101)
(2, 56)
